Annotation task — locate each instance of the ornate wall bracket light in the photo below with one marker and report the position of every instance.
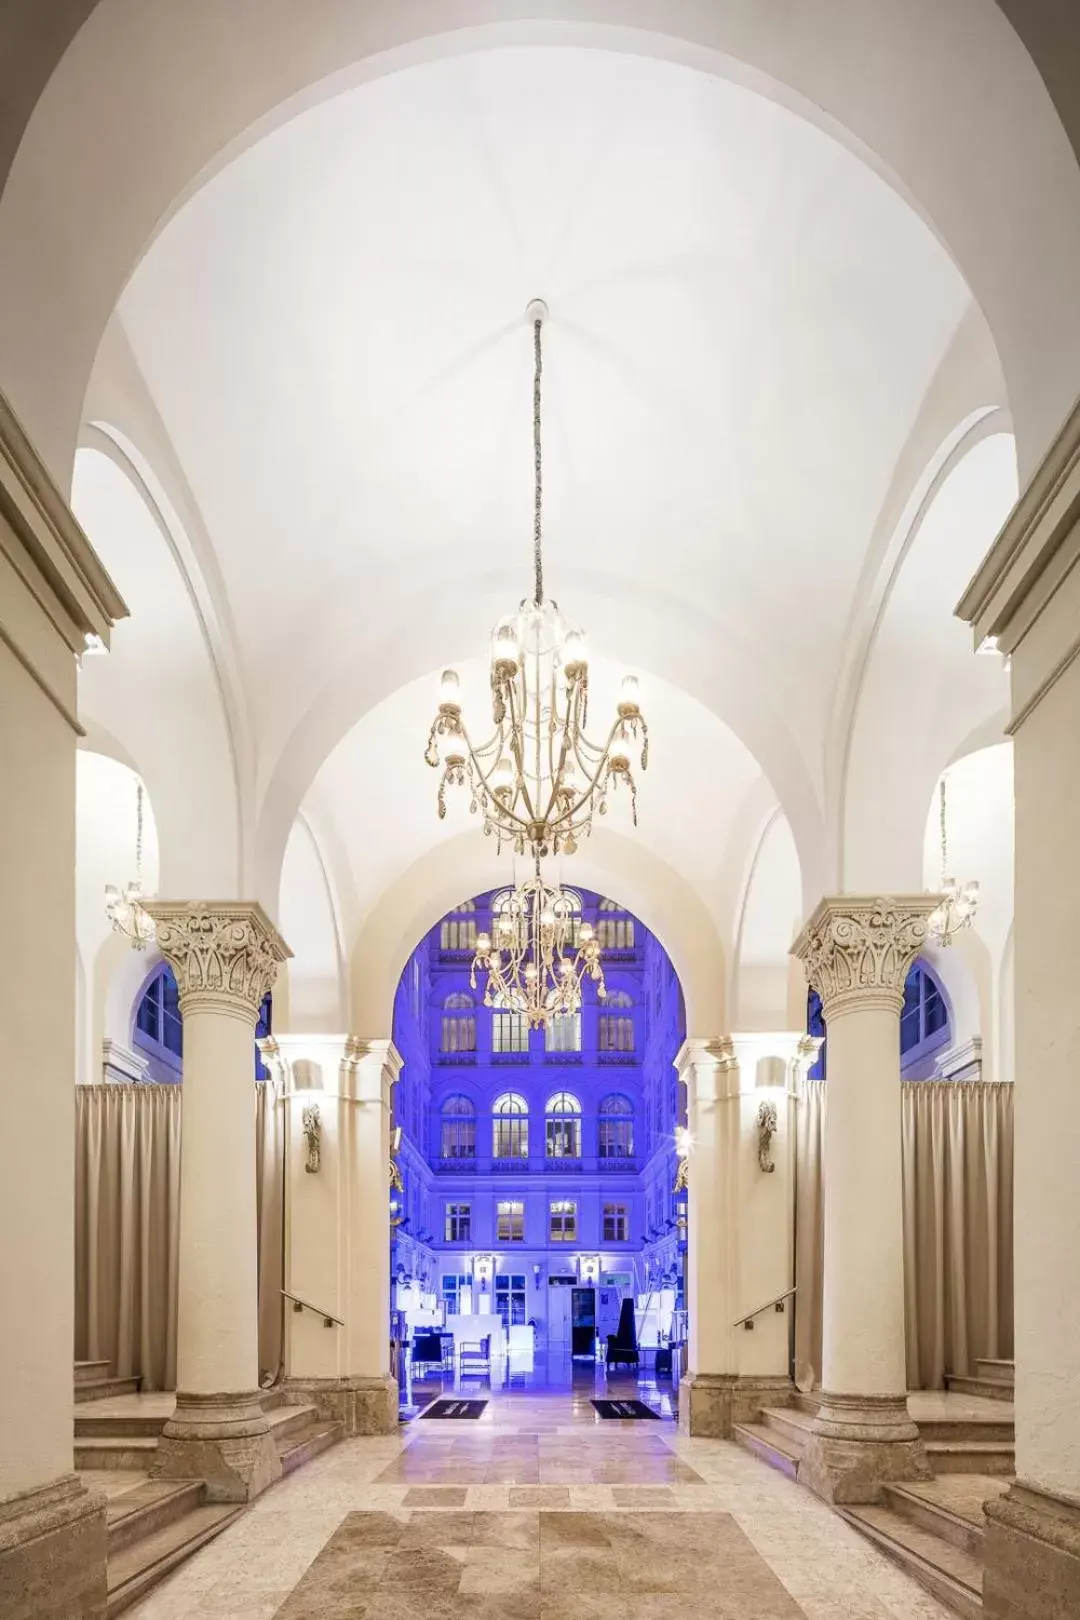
(537, 780)
(311, 1124)
(396, 1183)
(766, 1130)
(959, 902)
(124, 908)
(684, 1142)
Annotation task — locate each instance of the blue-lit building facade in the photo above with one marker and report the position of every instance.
(532, 1157)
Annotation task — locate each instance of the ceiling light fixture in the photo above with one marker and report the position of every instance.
(125, 910)
(538, 780)
(540, 955)
(959, 902)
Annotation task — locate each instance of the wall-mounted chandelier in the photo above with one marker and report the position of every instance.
(537, 780)
(124, 909)
(959, 902)
(539, 955)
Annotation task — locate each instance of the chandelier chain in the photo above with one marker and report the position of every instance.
(138, 833)
(538, 552)
(944, 846)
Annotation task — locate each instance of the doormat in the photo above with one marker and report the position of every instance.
(454, 1409)
(625, 1409)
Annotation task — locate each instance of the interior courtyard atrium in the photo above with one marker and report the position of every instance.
(540, 744)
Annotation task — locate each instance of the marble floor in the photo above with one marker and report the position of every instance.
(538, 1510)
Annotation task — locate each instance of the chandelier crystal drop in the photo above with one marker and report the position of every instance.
(537, 780)
(539, 955)
(959, 902)
(124, 909)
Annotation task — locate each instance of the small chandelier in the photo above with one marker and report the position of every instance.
(125, 910)
(540, 956)
(538, 779)
(958, 903)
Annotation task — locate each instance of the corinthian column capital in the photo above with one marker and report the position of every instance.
(225, 953)
(857, 949)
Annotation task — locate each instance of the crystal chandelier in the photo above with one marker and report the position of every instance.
(537, 780)
(540, 956)
(125, 910)
(958, 902)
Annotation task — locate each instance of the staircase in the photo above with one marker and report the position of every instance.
(94, 1382)
(154, 1524)
(933, 1529)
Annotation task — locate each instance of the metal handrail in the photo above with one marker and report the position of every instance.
(747, 1321)
(306, 1305)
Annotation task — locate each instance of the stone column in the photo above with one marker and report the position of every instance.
(225, 955)
(338, 1225)
(710, 1073)
(1027, 597)
(54, 595)
(857, 952)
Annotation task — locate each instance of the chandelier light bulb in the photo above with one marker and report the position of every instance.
(629, 691)
(450, 688)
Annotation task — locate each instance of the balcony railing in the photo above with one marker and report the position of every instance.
(562, 1162)
(564, 1057)
(619, 1164)
(509, 1057)
(617, 1058)
(456, 1057)
(458, 1165)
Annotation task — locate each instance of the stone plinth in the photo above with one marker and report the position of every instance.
(1031, 1556)
(710, 1404)
(858, 1444)
(223, 1439)
(362, 1405)
(52, 1553)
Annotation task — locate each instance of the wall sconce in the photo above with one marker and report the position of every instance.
(537, 1269)
(684, 1142)
(589, 1267)
(311, 1123)
(766, 1130)
(482, 1267)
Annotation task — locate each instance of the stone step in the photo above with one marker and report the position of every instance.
(88, 1371)
(287, 1419)
(118, 1425)
(935, 1516)
(971, 1456)
(990, 1389)
(299, 1446)
(116, 1451)
(806, 1401)
(953, 1576)
(149, 1507)
(990, 1367)
(273, 1398)
(792, 1425)
(100, 1389)
(138, 1568)
(768, 1444)
(1001, 1431)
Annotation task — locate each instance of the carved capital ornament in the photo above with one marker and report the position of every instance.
(225, 953)
(857, 950)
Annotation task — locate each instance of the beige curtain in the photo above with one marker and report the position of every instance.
(127, 1227)
(809, 1233)
(958, 1244)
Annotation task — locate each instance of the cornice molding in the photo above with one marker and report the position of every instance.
(1035, 550)
(47, 547)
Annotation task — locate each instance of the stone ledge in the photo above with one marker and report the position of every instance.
(52, 1553)
(710, 1404)
(1031, 1555)
(360, 1405)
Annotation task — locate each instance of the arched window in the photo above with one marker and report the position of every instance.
(459, 1022)
(457, 932)
(159, 1026)
(562, 1032)
(815, 1025)
(458, 1139)
(562, 1139)
(616, 1023)
(924, 1020)
(510, 1127)
(614, 931)
(616, 1138)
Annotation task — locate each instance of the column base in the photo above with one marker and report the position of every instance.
(223, 1439)
(1031, 1555)
(52, 1553)
(710, 1404)
(858, 1444)
(362, 1405)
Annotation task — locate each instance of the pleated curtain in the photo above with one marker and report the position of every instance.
(127, 1228)
(957, 1141)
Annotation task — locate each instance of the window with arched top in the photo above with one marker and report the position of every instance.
(457, 932)
(924, 1024)
(159, 1024)
(562, 1032)
(614, 928)
(458, 1022)
(616, 1132)
(510, 1127)
(458, 1136)
(616, 1026)
(562, 1132)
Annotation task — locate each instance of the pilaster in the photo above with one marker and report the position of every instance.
(857, 951)
(225, 955)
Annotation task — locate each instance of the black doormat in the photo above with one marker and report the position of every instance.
(454, 1409)
(625, 1409)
